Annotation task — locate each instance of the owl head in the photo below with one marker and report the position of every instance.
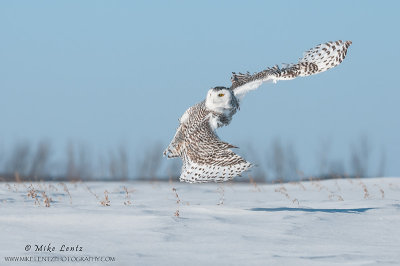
(221, 100)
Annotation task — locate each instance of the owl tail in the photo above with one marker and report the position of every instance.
(193, 172)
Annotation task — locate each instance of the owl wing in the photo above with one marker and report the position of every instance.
(316, 60)
(208, 159)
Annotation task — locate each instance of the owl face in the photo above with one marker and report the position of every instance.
(221, 100)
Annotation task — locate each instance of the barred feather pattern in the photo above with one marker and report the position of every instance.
(316, 60)
(205, 157)
(208, 159)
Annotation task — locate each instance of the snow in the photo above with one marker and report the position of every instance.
(333, 222)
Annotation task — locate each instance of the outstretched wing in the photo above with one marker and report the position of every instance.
(316, 60)
(208, 159)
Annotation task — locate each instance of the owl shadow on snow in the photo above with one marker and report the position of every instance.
(281, 209)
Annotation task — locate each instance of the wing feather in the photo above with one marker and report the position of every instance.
(316, 60)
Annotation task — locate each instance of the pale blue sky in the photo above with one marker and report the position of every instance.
(110, 72)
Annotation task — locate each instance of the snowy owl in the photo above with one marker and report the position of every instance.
(205, 157)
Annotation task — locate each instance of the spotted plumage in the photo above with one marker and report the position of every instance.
(208, 159)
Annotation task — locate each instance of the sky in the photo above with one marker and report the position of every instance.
(109, 73)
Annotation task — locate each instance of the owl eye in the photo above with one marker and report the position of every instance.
(221, 95)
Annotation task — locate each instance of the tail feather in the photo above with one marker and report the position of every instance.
(193, 172)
